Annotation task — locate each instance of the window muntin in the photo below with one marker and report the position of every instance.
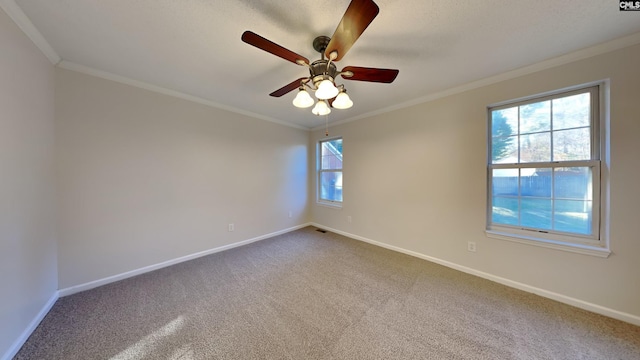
(544, 167)
(330, 171)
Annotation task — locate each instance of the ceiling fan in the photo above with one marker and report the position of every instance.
(323, 72)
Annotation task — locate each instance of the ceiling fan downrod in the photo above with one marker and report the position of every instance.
(320, 44)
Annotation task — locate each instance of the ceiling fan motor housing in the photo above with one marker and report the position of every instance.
(318, 69)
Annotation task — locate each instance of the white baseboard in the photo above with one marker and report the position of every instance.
(93, 284)
(17, 345)
(619, 315)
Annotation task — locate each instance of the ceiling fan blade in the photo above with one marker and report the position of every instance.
(358, 16)
(288, 88)
(370, 74)
(258, 41)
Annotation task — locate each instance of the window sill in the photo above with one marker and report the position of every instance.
(551, 244)
(329, 204)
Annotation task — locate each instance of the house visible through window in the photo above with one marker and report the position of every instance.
(330, 171)
(544, 168)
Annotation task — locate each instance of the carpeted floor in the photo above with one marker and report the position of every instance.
(309, 295)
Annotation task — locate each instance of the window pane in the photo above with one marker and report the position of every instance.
(336, 143)
(505, 182)
(572, 111)
(331, 157)
(536, 213)
(535, 117)
(505, 210)
(504, 150)
(504, 140)
(331, 185)
(572, 183)
(535, 147)
(572, 216)
(535, 182)
(572, 144)
(504, 122)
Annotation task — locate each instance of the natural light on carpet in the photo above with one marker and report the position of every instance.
(146, 345)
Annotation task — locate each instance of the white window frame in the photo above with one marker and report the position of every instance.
(596, 244)
(320, 171)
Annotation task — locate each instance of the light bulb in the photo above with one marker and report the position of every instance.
(303, 99)
(342, 101)
(326, 90)
(321, 108)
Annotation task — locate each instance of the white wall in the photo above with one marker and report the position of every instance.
(415, 179)
(28, 270)
(145, 178)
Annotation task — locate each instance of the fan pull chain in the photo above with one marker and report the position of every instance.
(326, 119)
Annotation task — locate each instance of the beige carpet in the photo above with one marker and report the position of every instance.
(308, 295)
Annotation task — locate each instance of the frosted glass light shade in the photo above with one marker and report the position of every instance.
(321, 108)
(326, 90)
(342, 101)
(303, 99)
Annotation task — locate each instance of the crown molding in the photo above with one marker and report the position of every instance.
(64, 64)
(602, 48)
(20, 18)
(22, 21)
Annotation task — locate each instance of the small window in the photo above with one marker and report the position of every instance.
(330, 172)
(544, 168)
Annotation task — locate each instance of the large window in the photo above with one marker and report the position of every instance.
(330, 171)
(544, 168)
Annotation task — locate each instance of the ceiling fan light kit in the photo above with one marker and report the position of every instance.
(323, 72)
(321, 108)
(303, 100)
(326, 90)
(342, 101)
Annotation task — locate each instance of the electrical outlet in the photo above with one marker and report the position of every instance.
(471, 246)
(348, 219)
(290, 214)
(231, 227)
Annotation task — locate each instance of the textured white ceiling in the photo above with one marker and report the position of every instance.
(194, 47)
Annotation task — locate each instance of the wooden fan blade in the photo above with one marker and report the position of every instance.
(358, 16)
(258, 41)
(371, 74)
(288, 88)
